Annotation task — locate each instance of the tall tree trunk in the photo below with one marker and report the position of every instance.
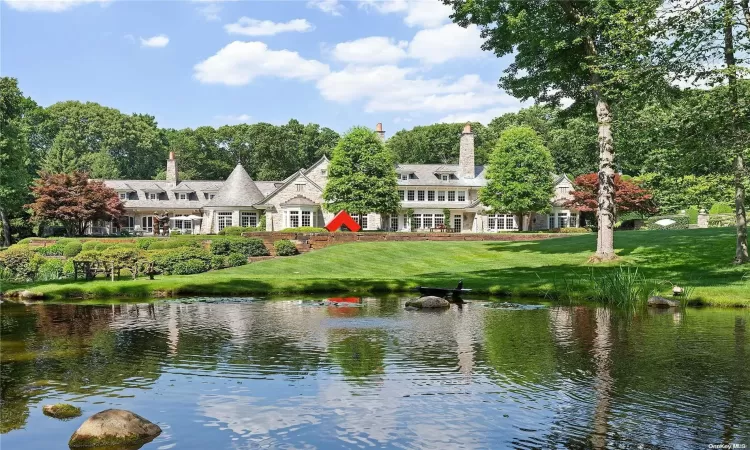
(6, 227)
(741, 253)
(605, 242)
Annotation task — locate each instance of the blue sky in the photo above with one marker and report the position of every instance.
(193, 63)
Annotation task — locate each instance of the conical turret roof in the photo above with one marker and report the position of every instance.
(238, 190)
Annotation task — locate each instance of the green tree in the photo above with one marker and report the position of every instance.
(436, 144)
(14, 154)
(361, 175)
(589, 51)
(519, 174)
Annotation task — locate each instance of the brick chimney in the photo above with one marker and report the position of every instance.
(466, 153)
(379, 130)
(172, 170)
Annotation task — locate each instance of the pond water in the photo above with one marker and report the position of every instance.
(364, 372)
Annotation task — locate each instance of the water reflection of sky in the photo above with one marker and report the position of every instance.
(288, 374)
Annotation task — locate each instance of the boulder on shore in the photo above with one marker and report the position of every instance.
(30, 295)
(661, 302)
(428, 301)
(114, 427)
(61, 411)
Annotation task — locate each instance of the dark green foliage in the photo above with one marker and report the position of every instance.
(681, 222)
(175, 233)
(244, 246)
(236, 259)
(164, 244)
(721, 208)
(438, 144)
(50, 269)
(72, 248)
(167, 260)
(89, 245)
(285, 247)
(217, 262)
(21, 263)
(361, 175)
(692, 214)
(722, 220)
(145, 243)
(55, 249)
(190, 266)
(675, 193)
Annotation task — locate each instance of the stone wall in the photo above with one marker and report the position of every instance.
(313, 241)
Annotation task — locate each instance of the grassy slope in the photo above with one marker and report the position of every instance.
(699, 258)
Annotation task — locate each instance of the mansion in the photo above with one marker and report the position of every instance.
(426, 190)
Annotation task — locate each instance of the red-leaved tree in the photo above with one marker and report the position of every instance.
(629, 195)
(74, 200)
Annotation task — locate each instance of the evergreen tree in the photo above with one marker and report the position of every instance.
(361, 175)
(519, 174)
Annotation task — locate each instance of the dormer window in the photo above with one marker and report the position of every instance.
(182, 196)
(403, 176)
(444, 177)
(124, 195)
(152, 196)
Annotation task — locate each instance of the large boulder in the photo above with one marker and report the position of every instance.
(114, 427)
(661, 302)
(30, 295)
(428, 301)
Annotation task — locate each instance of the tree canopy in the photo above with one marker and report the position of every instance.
(519, 174)
(361, 175)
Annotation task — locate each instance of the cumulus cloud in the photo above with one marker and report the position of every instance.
(450, 41)
(370, 50)
(392, 88)
(155, 41)
(239, 63)
(254, 27)
(332, 7)
(418, 13)
(48, 5)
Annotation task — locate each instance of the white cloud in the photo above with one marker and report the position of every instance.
(239, 63)
(48, 5)
(332, 7)
(419, 13)
(239, 118)
(254, 27)
(155, 41)
(370, 50)
(391, 88)
(450, 41)
(210, 11)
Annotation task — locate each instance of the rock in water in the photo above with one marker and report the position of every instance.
(61, 411)
(661, 302)
(114, 427)
(428, 301)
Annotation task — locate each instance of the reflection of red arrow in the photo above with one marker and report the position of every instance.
(344, 299)
(340, 219)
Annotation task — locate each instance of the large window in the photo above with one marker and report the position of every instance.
(457, 223)
(551, 221)
(441, 196)
(461, 196)
(394, 223)
(416, 221)
(306, 221)
(401, 195)
(430, 196)
(185, 226)
(420, 196)
(293, 219)
(248, 219)
(427, 221)
(410, 196)
(361, 219)
(224, 220)
(500, 222)
(562, 219)
(573, 220)
(148, 224)
(439, 220)
(451, 196)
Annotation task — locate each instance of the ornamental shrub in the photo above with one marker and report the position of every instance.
(237, 231)
(164, 244)
(145, 243)
(573, 230)
(245, 246)
(722, 220)
(20, 264)
(221, 246)
(681, 222)
(217, 262)
(166, 260)
(72, 248)
(55, 249)
(285, 247)
(175, 233)
(190, 266)
(89, 245)
(721, 208)
(236, 259)
(50, 269)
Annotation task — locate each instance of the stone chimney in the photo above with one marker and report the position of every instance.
(466, 153)
(379, 130)
(172, 170)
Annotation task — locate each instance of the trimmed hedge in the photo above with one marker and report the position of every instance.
(55, 249)
(722, 220)
(237, 231)
(721, 208)
(572, 230)
(20, 264)
(72, 248)
(285, 247)
(236, 259)
(681, 222)
(167, 260)
(165, 244)
(244, 246)
(304, 230)
(190, 266)
(217, 262)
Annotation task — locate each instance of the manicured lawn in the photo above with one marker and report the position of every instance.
(694, 258)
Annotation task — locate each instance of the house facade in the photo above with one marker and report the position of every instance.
(429, 193)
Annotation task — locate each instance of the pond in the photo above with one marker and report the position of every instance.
(365, 372)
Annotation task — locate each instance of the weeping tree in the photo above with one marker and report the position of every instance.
(591, 51)
(706, 43)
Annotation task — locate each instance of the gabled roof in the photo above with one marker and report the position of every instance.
(238, 190)
(317, 163)
(183, 187)
(426, 175)
(287, 182)
(560, 178)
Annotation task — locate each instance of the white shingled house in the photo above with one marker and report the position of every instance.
(426, 192)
